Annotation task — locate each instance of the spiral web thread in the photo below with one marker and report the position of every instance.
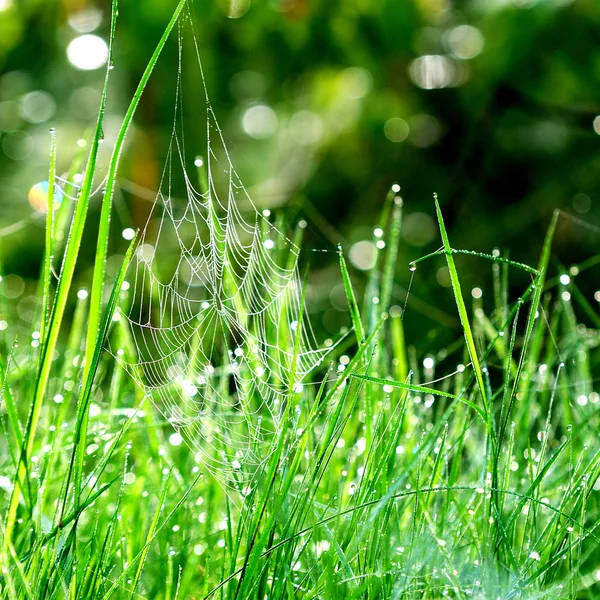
(215, 335)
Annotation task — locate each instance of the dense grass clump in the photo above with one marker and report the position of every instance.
(471, 471)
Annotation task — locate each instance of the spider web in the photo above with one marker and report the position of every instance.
(216, 303)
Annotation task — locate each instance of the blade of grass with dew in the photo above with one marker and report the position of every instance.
(391, 257)
(398, 345)
(351, 298)
(78, 447)
(533, 314)
(7, 397)
(68, 198)
(422, 390)
(256, 540)
(55, 317)
(150, 536)
(86, 389)
(103, 232)
(149, 539)
(462, 310)
(49, 245)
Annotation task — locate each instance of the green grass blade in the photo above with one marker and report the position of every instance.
(150, 536)
(92, 338)
(352, 304)
(11, 409)
(84, 400)
(103, 232)
(49, 246)
(57, 313)
(391, 256)
(462, 311)
(420, 389)
(533, 313)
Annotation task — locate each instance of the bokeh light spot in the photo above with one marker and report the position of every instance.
(38, 106)
(424, 130)
(38, 197)
(17, 145)
(363, 255)
(260, 121)
(396, 130)
(87, 52)
(237, 8)
(85, 20)
(465, 41)
(432, 71)
(355, 82)
(582, 203)
(443, 276)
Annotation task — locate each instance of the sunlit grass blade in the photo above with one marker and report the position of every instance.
(105, 215)
(55, 318)
(421, 390)
(531, 320)
(11, 409)
(391, 257)
(462, 311)
(49, 245)
(352, 304)
(86, 389)
(149, 537)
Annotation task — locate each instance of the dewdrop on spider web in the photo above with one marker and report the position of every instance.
(222, 344)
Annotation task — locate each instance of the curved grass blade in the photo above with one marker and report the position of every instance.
(57, 313)
(103, 232)
(421, 390)
(92, 338)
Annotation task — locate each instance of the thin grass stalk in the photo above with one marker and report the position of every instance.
(105, 216)
(49, 245)
(462, 311)
(55, 318)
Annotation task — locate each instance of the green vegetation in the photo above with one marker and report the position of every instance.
(469, 472)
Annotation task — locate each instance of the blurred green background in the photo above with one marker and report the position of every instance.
(324, 104)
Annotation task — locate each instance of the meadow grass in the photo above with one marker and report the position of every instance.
(472, 473)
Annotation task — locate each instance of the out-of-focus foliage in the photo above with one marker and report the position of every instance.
(324, 104)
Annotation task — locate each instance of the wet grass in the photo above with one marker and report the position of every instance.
(469, 473)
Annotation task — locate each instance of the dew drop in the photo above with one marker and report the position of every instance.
(412, 267)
